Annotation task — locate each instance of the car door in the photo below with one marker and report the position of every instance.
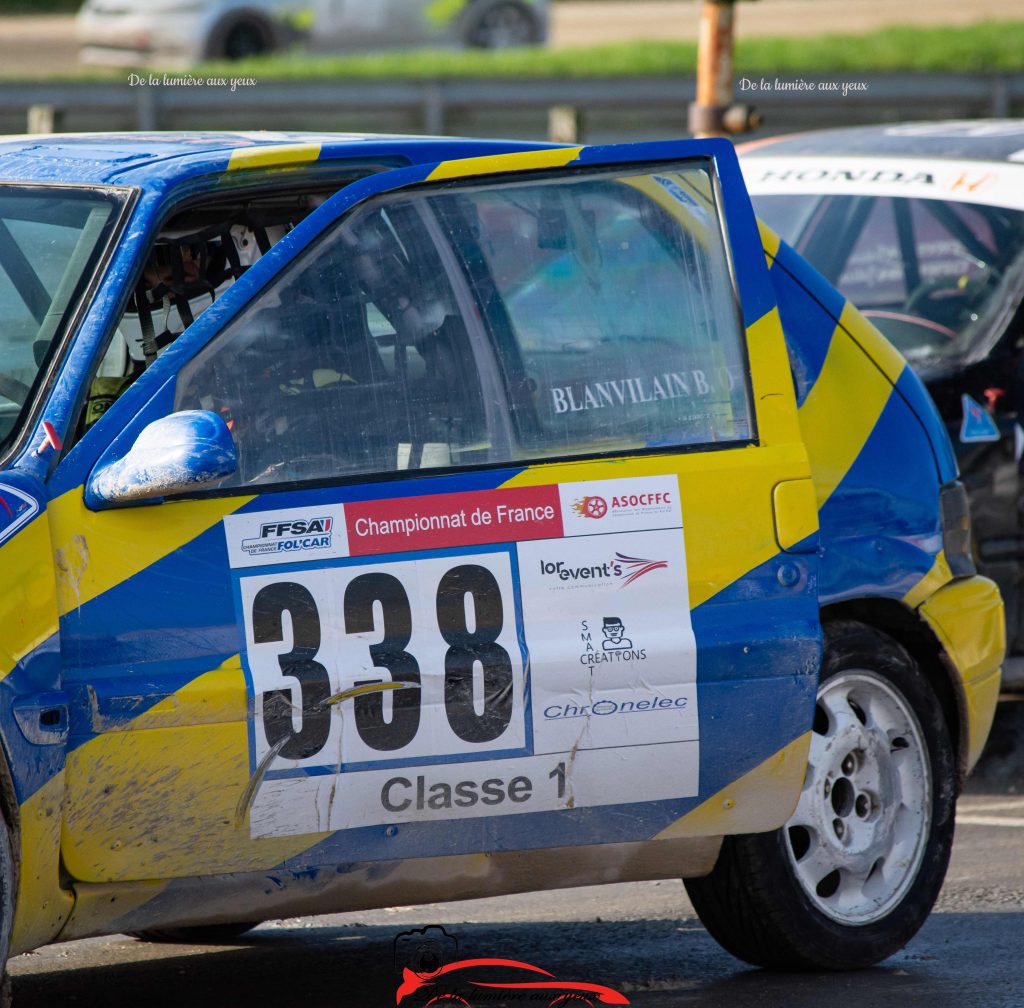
(511, 543)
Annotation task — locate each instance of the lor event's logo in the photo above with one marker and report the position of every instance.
(630, 568)
(626, 568)
(432, 975)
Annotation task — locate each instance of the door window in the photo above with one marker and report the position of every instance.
(489, 323)
(611, 304)
(356, 361)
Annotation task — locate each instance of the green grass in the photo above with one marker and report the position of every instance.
(987, 45)
(621, 59)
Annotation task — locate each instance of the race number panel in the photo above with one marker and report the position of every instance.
(464, 655)
(445, 629)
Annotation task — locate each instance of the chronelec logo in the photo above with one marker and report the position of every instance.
(292, 536)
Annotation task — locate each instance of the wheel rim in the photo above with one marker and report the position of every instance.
(503, 27)
(860, 829)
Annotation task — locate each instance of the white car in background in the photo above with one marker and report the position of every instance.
(181, 33)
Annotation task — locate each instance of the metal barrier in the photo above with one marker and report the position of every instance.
(432, 106)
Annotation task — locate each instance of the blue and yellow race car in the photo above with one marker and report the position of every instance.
(392, 520)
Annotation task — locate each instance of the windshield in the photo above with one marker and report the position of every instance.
(50, 241)
(937, 277)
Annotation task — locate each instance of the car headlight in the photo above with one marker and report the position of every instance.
(956, 529)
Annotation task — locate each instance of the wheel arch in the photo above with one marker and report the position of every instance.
(905, 626)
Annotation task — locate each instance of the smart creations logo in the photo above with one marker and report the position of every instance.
(293, 535)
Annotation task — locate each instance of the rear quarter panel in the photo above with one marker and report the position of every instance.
(878, 450)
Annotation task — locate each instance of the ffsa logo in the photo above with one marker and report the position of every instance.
(293, 535)
(296, 527)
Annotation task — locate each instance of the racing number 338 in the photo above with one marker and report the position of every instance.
(468, 613)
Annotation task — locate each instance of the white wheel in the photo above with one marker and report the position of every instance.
(858, 834)
(856, 870)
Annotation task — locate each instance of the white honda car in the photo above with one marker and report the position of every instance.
(181, 33)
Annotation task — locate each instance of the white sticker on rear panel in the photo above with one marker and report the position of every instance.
(608, 622)
(455, 672)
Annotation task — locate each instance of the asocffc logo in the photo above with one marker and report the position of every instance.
(636, 500)
(291, 535)
(593, 506)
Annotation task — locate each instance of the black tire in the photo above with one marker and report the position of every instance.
(205, 934)
(8, 889)
(501, 25)
(240, 39)
(759, 902)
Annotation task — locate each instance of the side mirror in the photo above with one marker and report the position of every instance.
(173, 455)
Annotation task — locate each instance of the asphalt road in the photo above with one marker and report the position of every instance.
(34, 45)
(641, 938)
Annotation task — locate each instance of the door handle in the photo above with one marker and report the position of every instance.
(43, 717)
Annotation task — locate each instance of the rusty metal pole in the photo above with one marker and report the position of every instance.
(714, 69)
(714, 113)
